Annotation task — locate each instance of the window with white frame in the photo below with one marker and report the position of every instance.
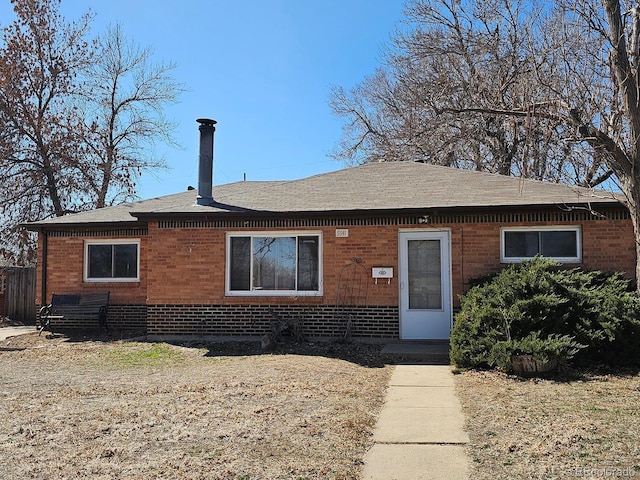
(274, 263)
(112, 260)
(559, 243)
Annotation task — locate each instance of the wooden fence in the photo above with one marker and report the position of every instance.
(20, 294)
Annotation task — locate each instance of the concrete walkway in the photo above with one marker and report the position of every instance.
(419, 434)
(6, 332)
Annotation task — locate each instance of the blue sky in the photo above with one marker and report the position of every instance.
(262, 68)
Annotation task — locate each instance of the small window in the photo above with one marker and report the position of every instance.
(112, 261)
(273, 264)
(560, 243)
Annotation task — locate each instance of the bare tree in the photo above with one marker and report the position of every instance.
(609, 122)
(40, 57)
(79, 118)
(445, 83)
(595, 47)
(126, 96)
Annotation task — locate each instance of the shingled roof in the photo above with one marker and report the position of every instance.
(393, 186)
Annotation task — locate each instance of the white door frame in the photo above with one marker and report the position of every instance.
(425, 324)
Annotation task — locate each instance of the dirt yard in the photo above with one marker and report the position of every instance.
(579, 425)
(132, 410)
(86, 408)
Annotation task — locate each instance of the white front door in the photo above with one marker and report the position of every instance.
(425, 285)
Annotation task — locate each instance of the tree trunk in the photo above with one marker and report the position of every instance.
(635, 219)
(631, 189)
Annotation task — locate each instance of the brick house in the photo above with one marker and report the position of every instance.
(379, 251)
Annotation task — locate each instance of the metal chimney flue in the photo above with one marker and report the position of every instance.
(205, 168)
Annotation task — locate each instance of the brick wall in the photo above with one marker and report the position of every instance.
(182, 270)
(65, 258)
(189, 265)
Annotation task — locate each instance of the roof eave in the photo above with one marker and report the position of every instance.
(141, 219)
(150, 216)
(46, 226)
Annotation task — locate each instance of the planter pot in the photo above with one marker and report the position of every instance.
(530, 365)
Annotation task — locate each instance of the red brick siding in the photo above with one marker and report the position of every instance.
(187, 266)
(65, 259)
(203, 281)
(609, 245)
(475, 250)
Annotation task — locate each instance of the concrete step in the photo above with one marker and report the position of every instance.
(430, 353)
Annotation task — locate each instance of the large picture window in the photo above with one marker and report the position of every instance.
(560, 243)
(273, 264)
(112, 261)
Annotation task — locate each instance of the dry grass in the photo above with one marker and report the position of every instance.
(116, 410)
(577, 426)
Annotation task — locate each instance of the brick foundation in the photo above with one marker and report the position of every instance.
(255, 320)
(242, 320)
(132, 318)
(122, 318)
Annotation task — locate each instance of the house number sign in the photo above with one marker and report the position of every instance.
(342, 232)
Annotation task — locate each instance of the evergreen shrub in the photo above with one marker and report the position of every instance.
(590, 314)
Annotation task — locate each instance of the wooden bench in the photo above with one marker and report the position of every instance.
(82, 306)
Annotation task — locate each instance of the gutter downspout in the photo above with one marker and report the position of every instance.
(43, 299)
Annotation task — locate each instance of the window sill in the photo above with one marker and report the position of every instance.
(525, 259)
(271, 293)
(112, 280)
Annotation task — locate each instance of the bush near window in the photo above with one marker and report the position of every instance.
(564, 308)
